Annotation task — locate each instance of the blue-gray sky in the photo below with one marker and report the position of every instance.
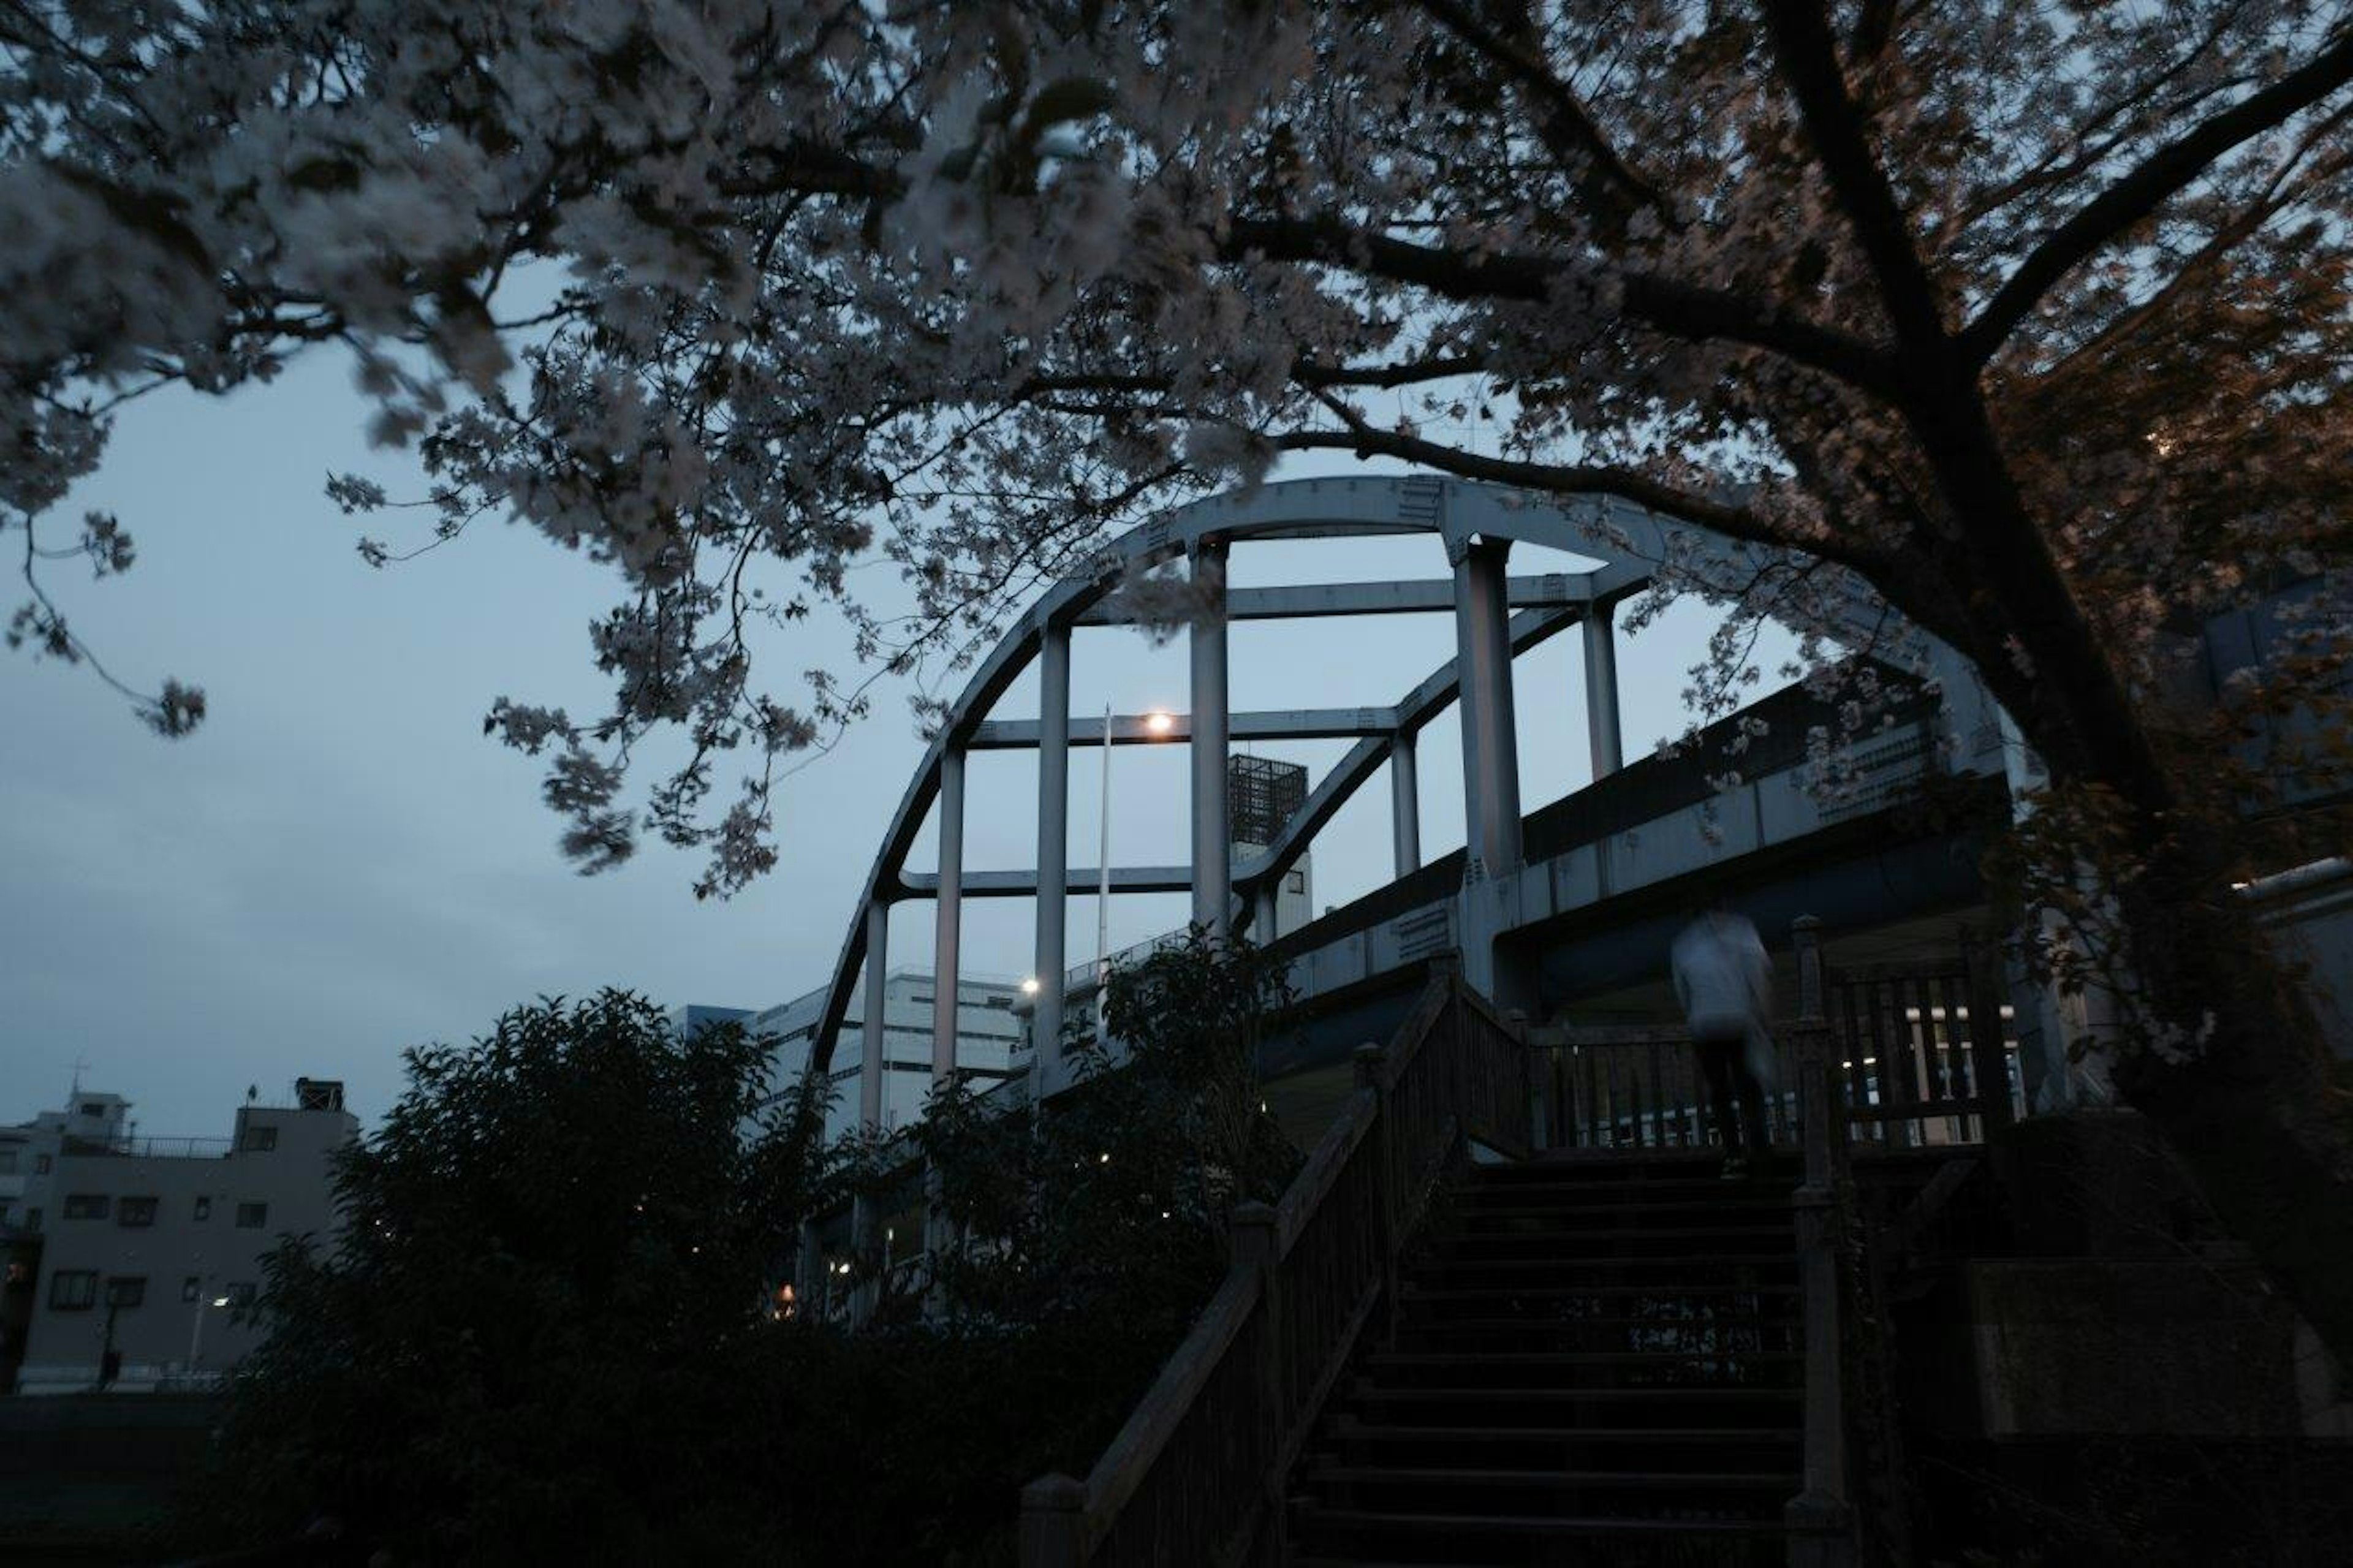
(339, 865)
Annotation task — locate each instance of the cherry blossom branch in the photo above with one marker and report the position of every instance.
(1587, 479)
(1677, 308)
(1567, 127)
(2139, 193)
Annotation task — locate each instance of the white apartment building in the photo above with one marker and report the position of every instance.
(147, 1247)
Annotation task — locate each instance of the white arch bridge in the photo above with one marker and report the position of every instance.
(1540, 908)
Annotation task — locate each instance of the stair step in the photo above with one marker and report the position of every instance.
(1351, 1428)
(1676, 1271)
(1630, 1242)
(1786, 1483)
(1508, 1525)
(1560, 1358)
(1726, 1323)
(1477, 1209)
(1575, 1395)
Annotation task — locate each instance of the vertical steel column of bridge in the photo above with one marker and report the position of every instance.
(1053, 839)
(863, 1217)
(1213, 871)
(1405, 803)
(1601, 688)
(947, 937)
(1263, 920)
(950, 912)
(1491, 764)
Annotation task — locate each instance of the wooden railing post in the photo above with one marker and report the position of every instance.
(1255, 1235)
(1053, 1523)
(808, 1274)
(873, 1261)
(1821, 1513)
(939, 1240)
(1989, 1043)
(1369, 1059)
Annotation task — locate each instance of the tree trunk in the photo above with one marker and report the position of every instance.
(2245, 1095)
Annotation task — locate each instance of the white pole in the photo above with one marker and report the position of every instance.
(1103, 865)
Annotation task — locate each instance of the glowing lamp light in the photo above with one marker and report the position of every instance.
(220, 1300)
(1030, 986)
(1159, 722)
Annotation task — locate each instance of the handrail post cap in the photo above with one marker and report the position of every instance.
(1056, 1493)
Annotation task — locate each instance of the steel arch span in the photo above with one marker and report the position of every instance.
(1496, 616)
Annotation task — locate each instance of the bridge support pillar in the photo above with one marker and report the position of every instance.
(1405, 804)
(865, 1221)
(1491, 764)
(1262, 917)
(949, 912)
(1053, 840)
(1601, 690)
(1213, 872)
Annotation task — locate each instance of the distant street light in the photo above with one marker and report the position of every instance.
(1030, 985)
(1159, 722)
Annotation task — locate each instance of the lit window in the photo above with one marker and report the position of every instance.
(73, 1290)
(252, 1217)
(126, 1290)
(136, 1212)
(85, 1205)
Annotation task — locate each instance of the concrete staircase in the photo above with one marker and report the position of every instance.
(1594, 1360)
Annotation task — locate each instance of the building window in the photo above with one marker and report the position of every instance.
(85, 1205)
(8, 1161)
(93, 1108)
(191, 1288)
(126, 1290)
(258, 1140)
(73, 1290)
(1296, 881)
(32, 1219)
(40, 1165)
(252, 1217)
(136, 1212)
(241, 1293)
(204, 1208)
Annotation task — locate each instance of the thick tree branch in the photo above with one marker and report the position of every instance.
(1677, 310)
(1731, 521)
(2138, 194)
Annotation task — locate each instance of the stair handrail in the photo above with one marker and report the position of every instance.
(1195, 1474)
(1821, 1517)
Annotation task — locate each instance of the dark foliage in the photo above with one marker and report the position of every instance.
(545, 1331)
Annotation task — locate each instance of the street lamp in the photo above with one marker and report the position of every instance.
(1160, 724)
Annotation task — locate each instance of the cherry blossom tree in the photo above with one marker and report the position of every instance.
(2032, 317)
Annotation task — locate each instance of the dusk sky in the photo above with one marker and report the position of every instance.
(338, 865)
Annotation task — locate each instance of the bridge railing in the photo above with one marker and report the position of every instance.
(1194, 1476)
(1919, 1055)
